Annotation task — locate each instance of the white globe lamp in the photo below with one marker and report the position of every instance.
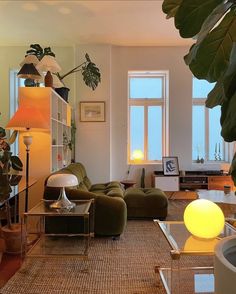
(204, 219)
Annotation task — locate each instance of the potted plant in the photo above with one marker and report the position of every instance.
(212, 57)
(11, 231)
(89, 70)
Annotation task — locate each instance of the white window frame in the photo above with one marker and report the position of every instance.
(163, 102)
(227, 147)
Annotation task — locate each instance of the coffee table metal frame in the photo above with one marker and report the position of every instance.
(173, 230)
(83, 208)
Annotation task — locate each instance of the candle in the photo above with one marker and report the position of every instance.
(216, 148)
(219, 148)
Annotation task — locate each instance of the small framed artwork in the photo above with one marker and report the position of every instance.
(92, 111)
(170, 166)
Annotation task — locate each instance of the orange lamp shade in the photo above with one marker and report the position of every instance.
(26, 118)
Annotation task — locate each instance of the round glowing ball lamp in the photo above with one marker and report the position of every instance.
(204, 219)
(137, 155)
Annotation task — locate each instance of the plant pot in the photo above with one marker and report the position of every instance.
(13, 238)
(63, 92)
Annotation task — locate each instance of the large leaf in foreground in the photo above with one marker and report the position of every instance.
(214, 52)
(192, 14)
(228, 119)
(170, 7)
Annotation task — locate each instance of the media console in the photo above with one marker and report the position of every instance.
(192, 180)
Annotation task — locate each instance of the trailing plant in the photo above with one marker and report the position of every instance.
(212, 24)
(7, 160)
(89, 70)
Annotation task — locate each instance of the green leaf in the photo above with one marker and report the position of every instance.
(232, 169)
(12, 139)
(16, 163)
(207, 26)
(192, 14)
(214, 51)
(228, 119)
(229, 81)
(216, 96)
(170, 7)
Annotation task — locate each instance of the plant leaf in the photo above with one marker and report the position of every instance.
(216, 96)
(192, 14)
(228, 119)
(229, 81)
(207, 26)
(16, 163)
(12, 139)
(214, 51)
(170, 7)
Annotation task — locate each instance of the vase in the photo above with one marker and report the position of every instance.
(63, 92)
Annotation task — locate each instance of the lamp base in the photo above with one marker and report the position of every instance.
(63, 202)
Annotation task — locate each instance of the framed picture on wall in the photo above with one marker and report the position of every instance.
(170, 166)
(92, 111)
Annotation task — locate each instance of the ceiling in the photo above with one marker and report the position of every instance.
(125, 23)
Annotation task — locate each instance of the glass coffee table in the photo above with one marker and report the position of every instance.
(43, 244)
(181, 243)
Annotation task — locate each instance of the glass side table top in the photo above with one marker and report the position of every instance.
(43, 208)
(182, 242)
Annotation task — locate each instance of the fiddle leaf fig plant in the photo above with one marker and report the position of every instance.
(212, 24)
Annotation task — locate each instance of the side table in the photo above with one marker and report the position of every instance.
(128, 183)
(59, 244)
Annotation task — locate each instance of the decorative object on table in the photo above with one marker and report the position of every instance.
(92, 111)
(204, 219)
(30, 74)
(62, 181)
(170, 165)
(217, 153)
(227, 189)
(211, 32)
(7, 160)
(27, 119)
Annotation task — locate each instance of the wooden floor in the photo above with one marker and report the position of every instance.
(9, 265)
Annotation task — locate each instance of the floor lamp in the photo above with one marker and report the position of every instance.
(27, 119)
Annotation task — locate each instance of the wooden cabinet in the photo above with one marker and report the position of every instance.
(218, 182)
(48, 151)
(192, 182)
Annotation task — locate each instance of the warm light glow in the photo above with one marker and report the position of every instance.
(204, 219)
(48, 63)
(26, 118)
(194, 244)
(62, 180)
(137, 155)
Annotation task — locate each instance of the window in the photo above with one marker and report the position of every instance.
(147, 102)
(207, 142)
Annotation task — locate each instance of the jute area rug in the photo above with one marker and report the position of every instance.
(118, 266)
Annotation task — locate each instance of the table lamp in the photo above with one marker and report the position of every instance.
(48, 63)
(204, 219)
(62, 181)
(27, 119)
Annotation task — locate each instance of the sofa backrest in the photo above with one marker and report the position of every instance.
(79, 171)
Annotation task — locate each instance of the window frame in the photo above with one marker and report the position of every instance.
(146, 102)
(227, 147)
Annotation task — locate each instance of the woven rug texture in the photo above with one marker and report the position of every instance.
(125, 265)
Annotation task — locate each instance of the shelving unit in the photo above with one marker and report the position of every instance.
(48, 153)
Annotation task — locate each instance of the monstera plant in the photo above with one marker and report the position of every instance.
(212, 24)
(89, 70)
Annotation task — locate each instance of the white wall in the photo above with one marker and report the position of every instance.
(102, 147)
(93, 138)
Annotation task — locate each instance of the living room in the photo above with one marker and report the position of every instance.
(121, 38)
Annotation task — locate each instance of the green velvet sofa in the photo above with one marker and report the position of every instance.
(110, 208)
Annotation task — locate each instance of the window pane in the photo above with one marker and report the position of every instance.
(215, 139)
(136, 128)
(198, 129)
(154, 133)
(201, 88)
(145, 87)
